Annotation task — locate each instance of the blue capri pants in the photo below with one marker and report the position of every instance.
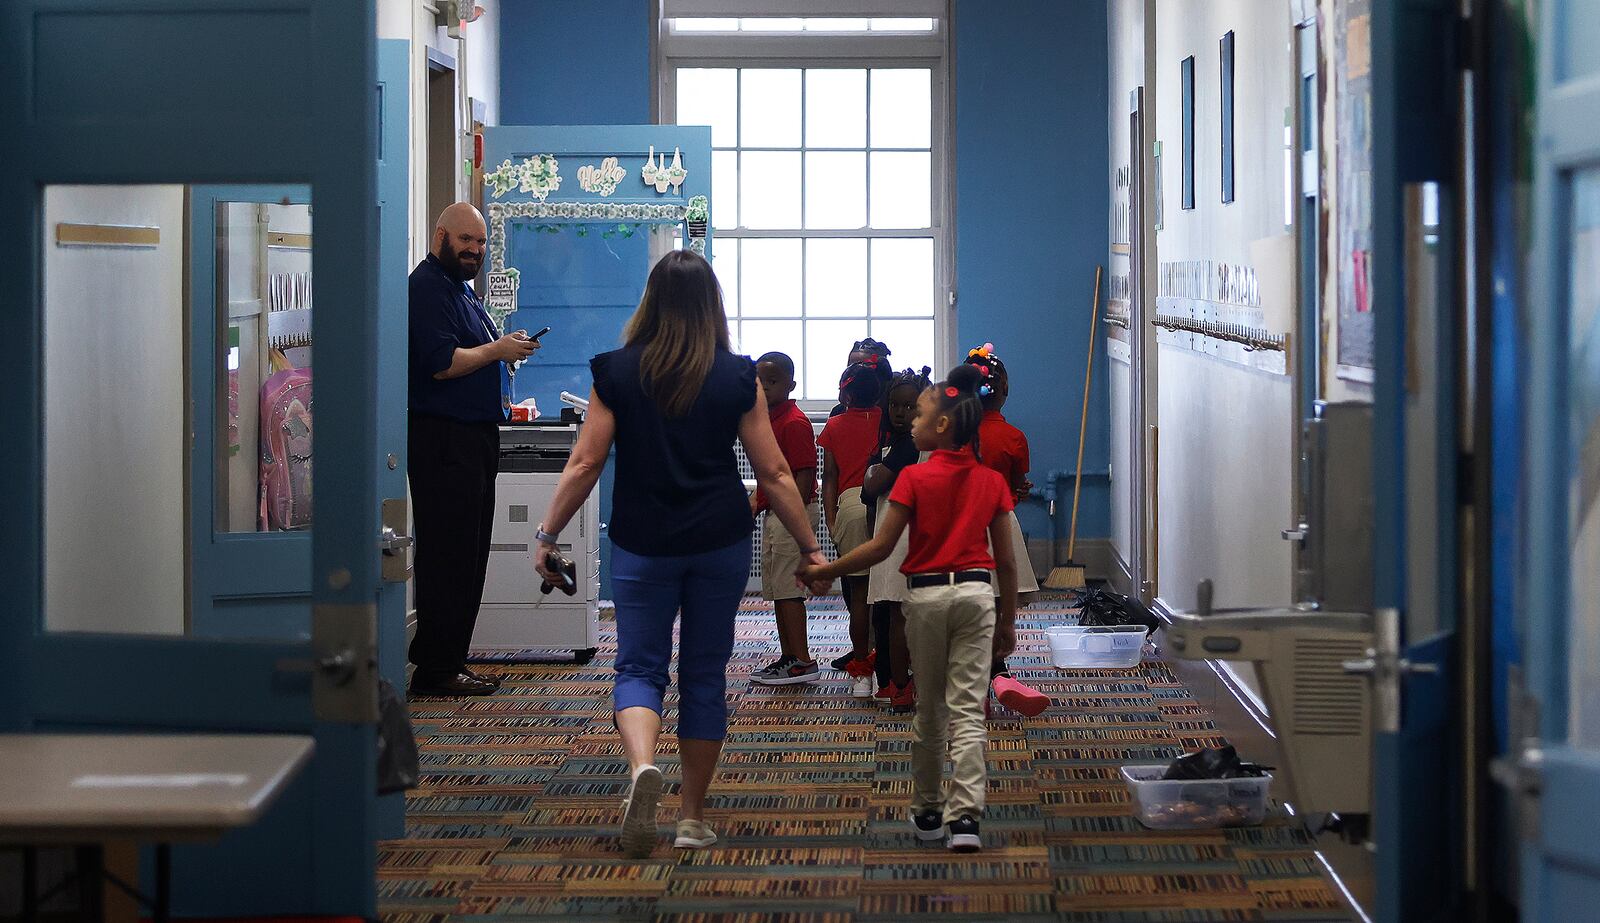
(650, 591)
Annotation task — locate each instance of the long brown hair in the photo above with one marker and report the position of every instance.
(682, 325)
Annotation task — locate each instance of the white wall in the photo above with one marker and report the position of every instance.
(113, 404)
(1125, 24)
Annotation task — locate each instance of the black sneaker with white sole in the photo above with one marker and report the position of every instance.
(963, 835)
(929, 824)
(775, 668)
(788, 672)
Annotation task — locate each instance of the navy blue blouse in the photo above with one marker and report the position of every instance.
(677, 489)
(446, 315)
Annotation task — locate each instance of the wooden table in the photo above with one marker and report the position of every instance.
(84, 790)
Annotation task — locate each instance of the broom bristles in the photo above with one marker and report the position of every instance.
(1066, 577)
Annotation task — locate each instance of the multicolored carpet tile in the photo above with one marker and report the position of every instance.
(518, 805)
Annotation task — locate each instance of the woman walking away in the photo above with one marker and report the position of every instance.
(952, 505)
(673, 399)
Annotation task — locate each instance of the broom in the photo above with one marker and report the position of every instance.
(1070, 576)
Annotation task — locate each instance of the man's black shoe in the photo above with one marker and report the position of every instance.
(482, 677)
(458, 685)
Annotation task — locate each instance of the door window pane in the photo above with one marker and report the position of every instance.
(828, 345)
(113, 406)
(901, 191)
(836, 277)
(912, 342)
(769, 189)
(710, 96)
(902, 114)
(1583, 373)
(836, 108)
(836, 189)
(769, 108)
(770, 277)
(902, 277)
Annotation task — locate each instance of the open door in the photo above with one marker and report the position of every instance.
(1558, 767)
(111, 621)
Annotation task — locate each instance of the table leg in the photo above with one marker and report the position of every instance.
(30, 885)
(162, 910)
(91, 882)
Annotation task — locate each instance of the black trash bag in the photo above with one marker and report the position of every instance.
(398, 766)
(1213, 763)
(1103, 607)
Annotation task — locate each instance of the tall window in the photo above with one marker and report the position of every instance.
(827, 182)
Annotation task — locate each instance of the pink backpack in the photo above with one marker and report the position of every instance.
(286, 451)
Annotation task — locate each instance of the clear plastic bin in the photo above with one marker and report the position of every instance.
(1095, 646)
(1189, 804)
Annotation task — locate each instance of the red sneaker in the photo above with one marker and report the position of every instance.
(887, 693)
(1024, 700)
(858, 667)
(906, 697)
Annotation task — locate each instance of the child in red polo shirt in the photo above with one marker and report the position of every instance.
(955, 509)
(848, 442)
(780, 555)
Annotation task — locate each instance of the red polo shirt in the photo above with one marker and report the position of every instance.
(799, 447)
(1004, 447)
(852, 437)
(952, 500)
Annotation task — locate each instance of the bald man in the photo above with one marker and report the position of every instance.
(454, 444)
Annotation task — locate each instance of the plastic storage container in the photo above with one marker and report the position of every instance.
(1188, 804)
(1111, 647)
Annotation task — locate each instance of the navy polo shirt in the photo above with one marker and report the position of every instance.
(447, 315)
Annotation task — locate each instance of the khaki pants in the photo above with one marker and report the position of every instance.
(780, 557)
(951, 633)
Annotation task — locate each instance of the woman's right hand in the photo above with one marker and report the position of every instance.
(808, 564)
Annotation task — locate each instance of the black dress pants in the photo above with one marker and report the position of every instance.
(452, 467)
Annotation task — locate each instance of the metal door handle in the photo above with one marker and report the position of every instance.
(339, 667)
(1297, 534)
(393, 542)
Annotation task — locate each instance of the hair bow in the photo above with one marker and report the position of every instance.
(951, 391)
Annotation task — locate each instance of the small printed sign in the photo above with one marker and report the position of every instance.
(502, 297)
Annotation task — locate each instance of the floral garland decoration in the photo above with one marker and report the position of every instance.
(537, 176)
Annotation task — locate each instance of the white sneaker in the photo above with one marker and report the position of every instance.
(694, 834)
(861, 687)
(639, 813)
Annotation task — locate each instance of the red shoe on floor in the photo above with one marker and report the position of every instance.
(1024, 700)
(858, 667)
(887, 693)
(906, 696)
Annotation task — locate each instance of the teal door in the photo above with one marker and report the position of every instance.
(1416, 181)
(131, 125)
(1560, 597)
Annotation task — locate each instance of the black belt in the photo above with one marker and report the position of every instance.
(918, 581)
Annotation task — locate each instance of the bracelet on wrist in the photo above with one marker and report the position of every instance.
(540, 534)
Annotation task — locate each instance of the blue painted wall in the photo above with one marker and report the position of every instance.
(1031, 219)
(574, 62)
(577, 62)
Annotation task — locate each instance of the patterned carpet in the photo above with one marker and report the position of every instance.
(518, 805)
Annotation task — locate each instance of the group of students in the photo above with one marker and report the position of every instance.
(919, 481)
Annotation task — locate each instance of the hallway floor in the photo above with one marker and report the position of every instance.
(517, 809)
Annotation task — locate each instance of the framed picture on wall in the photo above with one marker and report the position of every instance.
(1225, 49)
(1186, 73)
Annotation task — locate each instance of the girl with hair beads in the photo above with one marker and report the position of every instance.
(955, 508)
(848, 441)
(886, 588)
(1004, 448)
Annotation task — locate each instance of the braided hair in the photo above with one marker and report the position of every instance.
(903, 378)
(957, 398)
(861, 385)
(995, 383)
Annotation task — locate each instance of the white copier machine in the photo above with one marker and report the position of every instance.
(515, 618)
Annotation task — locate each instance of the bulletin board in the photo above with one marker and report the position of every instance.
(1352, 68)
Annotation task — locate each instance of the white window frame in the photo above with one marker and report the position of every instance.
(931, 50)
